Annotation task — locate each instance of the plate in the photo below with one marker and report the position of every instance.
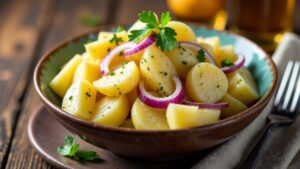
(46, 134)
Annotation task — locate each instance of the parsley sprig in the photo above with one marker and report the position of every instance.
(115, 38)
(226, 63)
(71, 149)
(165, 36)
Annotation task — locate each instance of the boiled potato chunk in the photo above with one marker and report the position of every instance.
(127, 124)
(63, 80)
(97, 50)
(108, 35)
(111, 111)
(184, 32)
(183, 116)
(213, 41)
(148, 118)
(157, 70)
(226, 52)
(80, 99)
(206, 83)
(121, 81)
(242, 86)
(88, 71)
(183, 59)
(235, 106)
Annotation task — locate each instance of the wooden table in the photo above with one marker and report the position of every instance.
(28, 29)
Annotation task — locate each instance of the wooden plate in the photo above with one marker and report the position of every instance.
(46, 134)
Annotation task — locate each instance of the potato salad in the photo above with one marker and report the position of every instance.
(157, 75)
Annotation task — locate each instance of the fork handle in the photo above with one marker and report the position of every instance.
(252, 159)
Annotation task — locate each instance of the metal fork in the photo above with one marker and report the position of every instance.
(284, 111)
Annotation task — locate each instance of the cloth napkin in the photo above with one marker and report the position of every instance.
(282, 150)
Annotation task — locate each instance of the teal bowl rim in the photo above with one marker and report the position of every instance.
(221, 123)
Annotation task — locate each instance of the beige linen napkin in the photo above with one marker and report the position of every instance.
(281, 151)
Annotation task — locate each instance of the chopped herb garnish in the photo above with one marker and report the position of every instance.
(112, 73)
(184, 62)
(71, 150)
(152, 56)
(165, 38)
(71, 98)
(115, 39)
(226, 62)
(108, 49)
(120, 29)
(88, 94)
(108, 107)
(161, 88)
(218, 86)
(201, 55)
(90, 20)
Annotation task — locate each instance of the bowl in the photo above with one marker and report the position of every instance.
(154, 144)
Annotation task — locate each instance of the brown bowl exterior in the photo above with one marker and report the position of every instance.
(154, 145)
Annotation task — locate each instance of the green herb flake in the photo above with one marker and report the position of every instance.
(112, 73)
(108, 49)
(71, 98)
(226, 63)
(201, 55)
(116, 39)
(71, 150)
(88, 94)
(184, 62)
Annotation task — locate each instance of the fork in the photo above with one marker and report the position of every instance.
(284, 111)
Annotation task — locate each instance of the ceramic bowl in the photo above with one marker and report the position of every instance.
(156, 145)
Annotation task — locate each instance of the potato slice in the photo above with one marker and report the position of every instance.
(88, 71)
(111, 111)
(242, 86)
(184, 32)
(104, 35)
(157, 70)
(183, 59)
(206, 83)
(235, 106)
(214, 42)
(226, 52)
(183, 116)
(97, 50)
(63, 80)
(121, 81)
(127, 124)
(148, 118)
(80, 99)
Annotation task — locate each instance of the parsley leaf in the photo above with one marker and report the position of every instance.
(149, 18)
(165, 36)
(70, 149)
(165, 18)
(226, 62)
(201, 55)
(166, 39)
(115, 39)
(136, 35)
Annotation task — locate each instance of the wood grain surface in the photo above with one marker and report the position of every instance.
(28, 29)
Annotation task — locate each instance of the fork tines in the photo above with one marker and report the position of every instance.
(287, 97)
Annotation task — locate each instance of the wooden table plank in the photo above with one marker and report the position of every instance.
(65, 24)
(19, 32)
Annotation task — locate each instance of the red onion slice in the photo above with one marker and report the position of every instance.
(162, 102)
(141, 46)
(198, 47)
(104, 65)
(237, 64)
(207, 105)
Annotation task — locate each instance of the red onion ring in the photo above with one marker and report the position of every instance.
(237, 64)
(162, 102)
(144, 44)
(104, 65)
(198, 47)
(206, 105)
